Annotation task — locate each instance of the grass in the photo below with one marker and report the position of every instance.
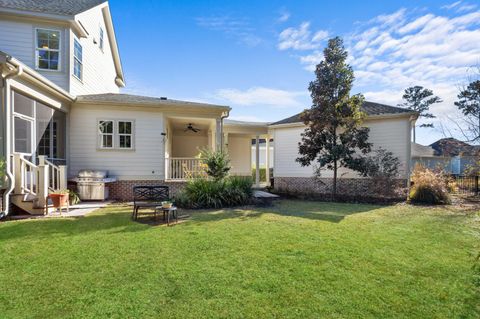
(294, 260)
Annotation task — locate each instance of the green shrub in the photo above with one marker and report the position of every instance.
(204, 193)
(218, 164)
(429, 187)
(263, 173)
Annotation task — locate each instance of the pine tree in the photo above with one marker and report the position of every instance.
(418, 99)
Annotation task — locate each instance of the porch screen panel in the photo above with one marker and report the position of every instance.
(23, 105)
(23, 135)
(44, 137)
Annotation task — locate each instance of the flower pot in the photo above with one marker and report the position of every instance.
(59, 200)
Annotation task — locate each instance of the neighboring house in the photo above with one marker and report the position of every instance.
(449, 154)
(390, 129)
(62, 112)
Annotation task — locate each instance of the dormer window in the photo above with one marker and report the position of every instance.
(100, 42)
(77, 59)
(47, 49)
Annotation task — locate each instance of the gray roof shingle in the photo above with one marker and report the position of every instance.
(121, 98)
(370, 108)
(61, 7)
(453, 147)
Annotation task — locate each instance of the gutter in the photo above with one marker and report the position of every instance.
(6, 133)
(38, 78)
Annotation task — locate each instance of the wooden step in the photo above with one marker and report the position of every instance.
(29, 205)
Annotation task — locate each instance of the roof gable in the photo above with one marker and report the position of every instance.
(453, 147)
(60, 7)
(370, 108)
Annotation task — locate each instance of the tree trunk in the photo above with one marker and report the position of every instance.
(334, 186)
(335, 166)
(414, 135)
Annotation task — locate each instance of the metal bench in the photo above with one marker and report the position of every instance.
(148, 197)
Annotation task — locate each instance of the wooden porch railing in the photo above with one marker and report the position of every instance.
(57, 174)
(184, 168)
(26, 176)
(38, 180)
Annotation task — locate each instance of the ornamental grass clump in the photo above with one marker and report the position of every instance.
(429, 186)
(218, 189)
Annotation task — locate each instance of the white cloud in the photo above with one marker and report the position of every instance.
(452, 5)
(301, 38)
(460, 6)
(260, 96)
(234, 27)
(430, 50)
(284, 16)
(246, 118)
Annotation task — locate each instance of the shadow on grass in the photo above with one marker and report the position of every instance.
(117, 219)
(113, 219)
(322, 211)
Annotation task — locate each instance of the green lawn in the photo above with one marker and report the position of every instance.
(295, 260)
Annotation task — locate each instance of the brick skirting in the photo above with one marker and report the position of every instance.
(123, 190)
(348, 189)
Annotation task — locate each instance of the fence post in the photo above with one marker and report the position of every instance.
(476, 185)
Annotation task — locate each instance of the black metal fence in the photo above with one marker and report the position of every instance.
(465, 185)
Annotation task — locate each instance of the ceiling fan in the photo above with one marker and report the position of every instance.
(190, 127)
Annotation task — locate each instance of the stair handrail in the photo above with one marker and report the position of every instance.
(26, 175)
(57, 174)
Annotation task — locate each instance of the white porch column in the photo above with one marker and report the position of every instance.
(18, 173)
(43, 179)
(63, 182)
(267, 159)
(257, 161)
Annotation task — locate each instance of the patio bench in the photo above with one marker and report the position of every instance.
(148, 197)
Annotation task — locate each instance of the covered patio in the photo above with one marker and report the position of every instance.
(238, 138)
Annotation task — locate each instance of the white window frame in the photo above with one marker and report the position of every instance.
(115, 135)
(118, 134)
(101, 38)
(75, 59)
(59, 66)
(101, 134)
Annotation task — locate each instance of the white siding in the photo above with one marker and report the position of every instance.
(239, 148)
(17, 38)
(390, 134)
(98, 69)
(146, 161)
(188, 144)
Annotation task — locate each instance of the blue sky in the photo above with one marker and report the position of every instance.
(258, 56)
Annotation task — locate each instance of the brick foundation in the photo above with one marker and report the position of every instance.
(123, 190)
(348, 189)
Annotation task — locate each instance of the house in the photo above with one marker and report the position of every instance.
(62, 112)
(390, 129)
(449, 154)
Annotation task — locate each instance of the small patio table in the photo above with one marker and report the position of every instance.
(168, 212)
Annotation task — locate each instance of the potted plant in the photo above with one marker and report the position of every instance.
(59, 198)
(167, 204)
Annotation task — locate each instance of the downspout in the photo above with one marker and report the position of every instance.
(7, 110)
(224, 116)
